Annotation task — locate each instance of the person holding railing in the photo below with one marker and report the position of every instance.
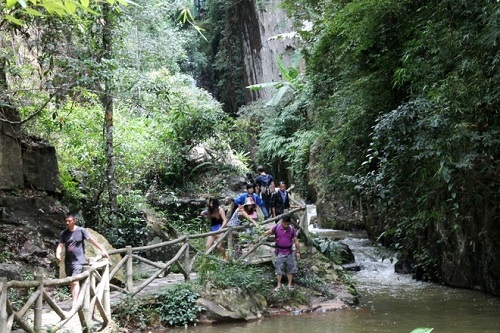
(218, 220)
(72, 239)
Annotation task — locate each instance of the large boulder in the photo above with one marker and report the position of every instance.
(232, 304)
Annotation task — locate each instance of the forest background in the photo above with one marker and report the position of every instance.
(390, 105)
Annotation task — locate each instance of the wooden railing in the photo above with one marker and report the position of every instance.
(94, 297)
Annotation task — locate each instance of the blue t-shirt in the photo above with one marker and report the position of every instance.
(240, 200)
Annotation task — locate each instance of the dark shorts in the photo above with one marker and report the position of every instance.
(215, 227)
(73, 269)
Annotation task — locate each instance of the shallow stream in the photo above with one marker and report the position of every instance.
(389, 303)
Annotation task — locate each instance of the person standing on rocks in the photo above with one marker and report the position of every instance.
(72, 239)
(266, 189)
(286, 237)
(218, 220)
(280, 200)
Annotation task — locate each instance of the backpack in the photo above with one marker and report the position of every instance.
(266, 182)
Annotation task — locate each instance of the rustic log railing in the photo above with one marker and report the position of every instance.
(94, 296)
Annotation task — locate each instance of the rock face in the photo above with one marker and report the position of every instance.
(29, 228)
(259, 22)
(232, 304)
(40, 167)
(11, 171)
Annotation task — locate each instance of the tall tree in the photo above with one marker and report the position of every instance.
(107, 102)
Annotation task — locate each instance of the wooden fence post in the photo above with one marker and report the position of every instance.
(230, 244)
(3, 304)
(187, 261)
(85, 313)
(39, 306)
(106, 297)
(130, 268)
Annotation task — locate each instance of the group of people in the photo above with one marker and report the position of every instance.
(273, 201)
(261, 193)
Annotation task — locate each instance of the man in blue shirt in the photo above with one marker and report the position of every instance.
(240, 200)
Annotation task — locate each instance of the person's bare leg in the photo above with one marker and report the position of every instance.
(75, 290)
(210, 241)
(279, 281)
(289, 277)
(222, 250)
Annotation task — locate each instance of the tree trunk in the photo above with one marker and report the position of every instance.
(107, 101)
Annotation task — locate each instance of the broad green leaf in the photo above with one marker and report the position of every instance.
(274, 101)
(85, 3)
(283, 70)
(263, 85)
(70, 6)
(14, 20)
(54, 7)
(32, 11)
(422, 330)
(10, 3)
(87, 9)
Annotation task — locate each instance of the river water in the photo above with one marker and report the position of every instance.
(389, 303)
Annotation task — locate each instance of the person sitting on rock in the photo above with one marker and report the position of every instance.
(218, 220)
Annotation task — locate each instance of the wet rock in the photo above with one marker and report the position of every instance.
(232, 304)
(403, 265)
(331, 305)
(352, 267)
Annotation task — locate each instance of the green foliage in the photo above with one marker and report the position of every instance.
(288, 297)
(175, 306)
(18, 10)
(404, 97)
(329, 249)
(224, 275)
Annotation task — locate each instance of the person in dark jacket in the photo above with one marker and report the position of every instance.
(280, 200)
